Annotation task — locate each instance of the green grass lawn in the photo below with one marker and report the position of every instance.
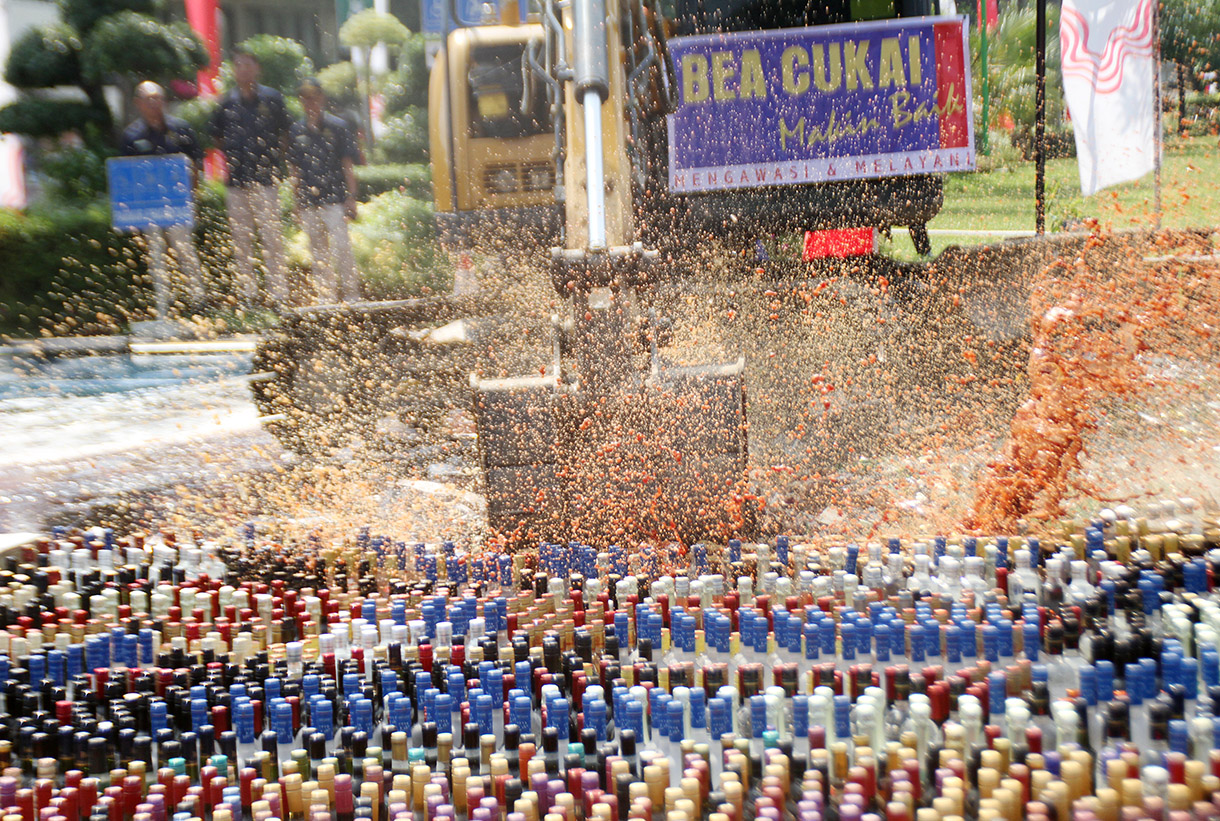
(1003, 197)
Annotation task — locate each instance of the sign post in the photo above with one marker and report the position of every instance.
(150, 192)
(883, 98)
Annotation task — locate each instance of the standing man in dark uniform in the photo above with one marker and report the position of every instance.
(251, 127)
(322, 153)
(158, 133)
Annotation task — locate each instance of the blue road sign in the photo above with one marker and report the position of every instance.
(148, 192)
(435, 13)
(470, 12)
(432, 13)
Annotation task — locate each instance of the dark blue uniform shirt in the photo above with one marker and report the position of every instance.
(318, 156)
(140, 139)
(250, 132)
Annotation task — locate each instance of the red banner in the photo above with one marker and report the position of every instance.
(204, 17)
(993, 14)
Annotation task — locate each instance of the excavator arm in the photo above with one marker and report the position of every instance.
(612, 436)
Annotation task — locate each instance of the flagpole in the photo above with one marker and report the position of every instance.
(1158, 137)
(1040, 122)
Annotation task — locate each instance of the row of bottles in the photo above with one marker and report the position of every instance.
(1072, 675)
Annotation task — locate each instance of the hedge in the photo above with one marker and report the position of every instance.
(66, 272)
(394, 242)
(414, 179)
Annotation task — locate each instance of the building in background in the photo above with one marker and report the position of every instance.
(16, 17)
(313, 23)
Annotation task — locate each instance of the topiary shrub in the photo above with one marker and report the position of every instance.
(284, 63)
(45, 56)
(405, 139)
(396, 250)
(75, 175)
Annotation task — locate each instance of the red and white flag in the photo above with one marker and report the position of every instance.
(1108, 67)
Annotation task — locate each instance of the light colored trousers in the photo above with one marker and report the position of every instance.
(258, 207)
(191, 273)
(331, 247)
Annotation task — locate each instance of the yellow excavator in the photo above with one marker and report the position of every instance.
(570, 122)
(612, 136)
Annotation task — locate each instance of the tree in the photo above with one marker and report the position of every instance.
(363, 31)
(97, 43)
(1190, 38)
(1013, 79)
(284, 63)
(404, 93)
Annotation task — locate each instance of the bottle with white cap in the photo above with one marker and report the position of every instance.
(1080, 588)
(293, 654)
(1023, 579)
(974, 579)
(921, 578)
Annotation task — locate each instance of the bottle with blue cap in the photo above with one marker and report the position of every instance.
(243, 722)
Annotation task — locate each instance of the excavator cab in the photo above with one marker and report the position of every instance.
(491, 138)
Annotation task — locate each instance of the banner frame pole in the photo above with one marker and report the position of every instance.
(985, 135)
(1040, 122)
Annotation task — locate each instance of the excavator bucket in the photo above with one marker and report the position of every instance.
(664, 459)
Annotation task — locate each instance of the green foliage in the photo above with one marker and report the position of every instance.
(405, 138)
(1190, 37)
(67, 272)
(197, 112)
(414, 180)
(1010, 56)
(1190, 33)
(341, 84)
(75, 175)
(284, 63)
(1003, 154)
(408, 85)
(45, 56)
(42, 117)
(83, 15)
(212, 236)
(367, 28)
(136, 47)
(395, 246)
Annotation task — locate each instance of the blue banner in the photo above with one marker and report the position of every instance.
(788, 106)
(149, 192)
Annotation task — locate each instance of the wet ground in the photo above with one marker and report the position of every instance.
(175, 441)
(91, 430)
